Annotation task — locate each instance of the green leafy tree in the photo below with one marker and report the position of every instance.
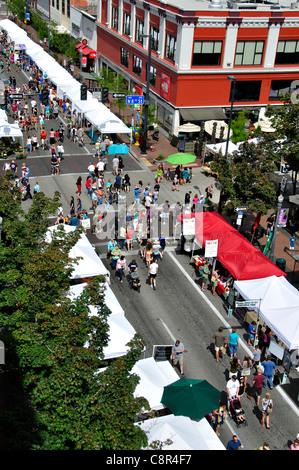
(244, 178)
(285, 120)
(60, 397)
(238, 127)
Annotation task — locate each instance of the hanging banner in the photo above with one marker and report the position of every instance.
(165, 86)
(211, 248)
(283, 217)
(84, 61)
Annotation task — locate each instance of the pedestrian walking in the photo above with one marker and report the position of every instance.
(232, 390)
(234, 343)
(234, 367)
(79, 185)
(205, 276)
(214, 279)
(295, 445)
(177, 354)
(269, 367)
(234, 443)
(152, 273)
(209, 191)
(246, 366)
(251, 333)
(257, 386)
(265, 446)
(121, 267)
(220, 343)
(267, 407)
(256, 356)
(220, 416)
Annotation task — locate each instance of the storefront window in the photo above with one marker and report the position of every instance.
(247, 90)
(281, 87)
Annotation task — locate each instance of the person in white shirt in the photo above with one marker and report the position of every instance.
(100, 166)
(152, 273)
(232, 389)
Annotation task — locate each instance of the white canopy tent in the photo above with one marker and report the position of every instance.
(10, 130)
(121, 332)
(184, 433)
(154, 377)
(109, 297)
(90, 264)
(65, 82)
(221, 147)
(279, 307)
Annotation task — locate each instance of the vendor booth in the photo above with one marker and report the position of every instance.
(89, 264)
(279, 306)
(102, 118)
(178, 433)
(237, 255)
(121, 331)
(154, 377)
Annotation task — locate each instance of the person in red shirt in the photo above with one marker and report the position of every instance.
(88, 185)
(257, 386)
(43, 136)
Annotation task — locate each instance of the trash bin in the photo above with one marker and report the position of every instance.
(281, 263)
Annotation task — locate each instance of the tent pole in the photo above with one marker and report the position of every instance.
(257, 324)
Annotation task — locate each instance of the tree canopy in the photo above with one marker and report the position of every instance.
(244, 177)
(285, 120)
(57, 394)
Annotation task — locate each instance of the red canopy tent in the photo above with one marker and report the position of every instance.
(238, 255)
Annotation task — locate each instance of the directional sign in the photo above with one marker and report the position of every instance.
(118, 95)
(247, 303)
(16, 96)
(134, 99)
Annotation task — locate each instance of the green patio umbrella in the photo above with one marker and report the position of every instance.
(181, 158)
(191, 397)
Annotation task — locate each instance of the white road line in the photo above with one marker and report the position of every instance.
(248, 352)
(168, 331)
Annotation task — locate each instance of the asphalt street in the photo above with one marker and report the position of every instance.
(178, 308)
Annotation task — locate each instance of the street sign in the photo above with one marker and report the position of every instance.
(243, 209)
(16, 96)
(134, 99)
(247, 303)
(118, 95)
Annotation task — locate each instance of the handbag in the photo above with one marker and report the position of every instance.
(213, 278)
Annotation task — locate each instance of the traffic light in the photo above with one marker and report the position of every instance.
(105, 94)
(83, 92)
(45, 96)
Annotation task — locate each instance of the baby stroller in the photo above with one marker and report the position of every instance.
(134, 281)
(237, 412)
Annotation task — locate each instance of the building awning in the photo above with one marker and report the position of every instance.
(202, 114)
(78, 46)
(87, 51)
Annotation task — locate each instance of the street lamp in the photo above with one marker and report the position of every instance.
(280, 201)
(146, 101)
(233, 80)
